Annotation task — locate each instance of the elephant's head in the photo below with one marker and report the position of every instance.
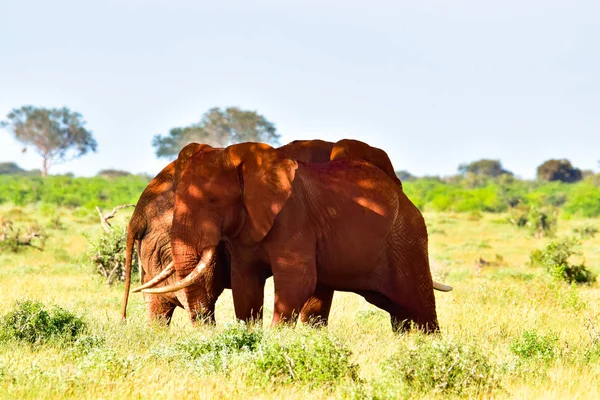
(235, 192)
(150, 226)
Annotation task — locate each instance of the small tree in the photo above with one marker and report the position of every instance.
(218, 127)
(484, 167)
(57, 134)
(113, 173)
(10, 168)
(405, 176)
(558, 170)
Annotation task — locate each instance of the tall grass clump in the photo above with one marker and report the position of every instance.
(436, 365)
(555, 259)
(32, 322)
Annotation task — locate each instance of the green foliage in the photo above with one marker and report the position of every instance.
(539, 223)
(32, 322)
(441, 366)
(226, 349)
(583, 200)
(55, 133)
(107, 254)
(558, 170)
(533, 346)
(307, 356)
(555, 258)
(310, 357)
(218, 127)
(484, 167)
(71, 192)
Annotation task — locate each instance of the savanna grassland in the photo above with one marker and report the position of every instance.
(508, 329)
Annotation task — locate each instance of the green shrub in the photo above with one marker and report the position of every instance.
(532, 346)
(223, 351)
(107, 254)
(30, 321)
(306, 356)
(310, 357)
(437, 365)
(539, 223)
(555, 258)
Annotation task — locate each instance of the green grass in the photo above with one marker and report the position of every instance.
(508, 329)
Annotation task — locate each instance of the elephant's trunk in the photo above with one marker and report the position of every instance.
(206, 259)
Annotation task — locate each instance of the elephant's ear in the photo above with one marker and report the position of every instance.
(266, 185)
(184, 155)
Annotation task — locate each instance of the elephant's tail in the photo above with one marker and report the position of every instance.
(131, 236)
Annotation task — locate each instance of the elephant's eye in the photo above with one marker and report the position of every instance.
(212, 200)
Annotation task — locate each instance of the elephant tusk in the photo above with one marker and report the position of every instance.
(189, 280)
(441, 287)
(164, 274)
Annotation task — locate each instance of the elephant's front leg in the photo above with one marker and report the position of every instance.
(159, 308)
(295, 279)
(248, 289)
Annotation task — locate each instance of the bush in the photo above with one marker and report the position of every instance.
(301, 355)
(12, 240)
(32, 322)
(440, 366)
(219, 353)
(107, 254)
(310, 357)
(539, 223)
(532, 346)
(555, 258)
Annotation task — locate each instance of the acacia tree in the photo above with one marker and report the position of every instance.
(218, 127)
(558, 170)
(484, 167)
(57, 134)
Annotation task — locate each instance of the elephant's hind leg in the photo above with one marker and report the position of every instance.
(316, 309)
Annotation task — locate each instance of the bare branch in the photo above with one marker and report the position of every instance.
(104, 219)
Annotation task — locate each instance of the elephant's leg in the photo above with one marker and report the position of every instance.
(195, 302)
(295, 281)
(402, 318)
(316, 309)
(247, 287)
(159, 309)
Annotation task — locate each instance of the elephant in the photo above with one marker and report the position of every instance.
(150, 226)
(341, 225)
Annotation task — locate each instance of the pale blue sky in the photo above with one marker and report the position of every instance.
(434, 83)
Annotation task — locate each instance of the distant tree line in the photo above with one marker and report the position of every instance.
(59, 134)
